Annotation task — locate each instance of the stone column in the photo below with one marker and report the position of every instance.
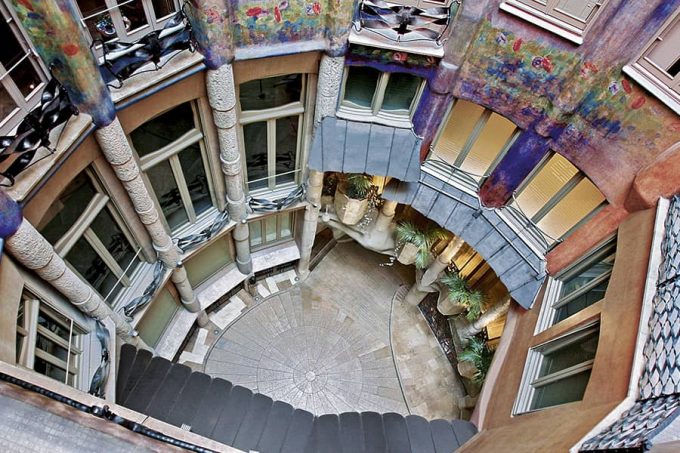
(419, 290)
(314, 186)
(328, 87)
(222, 98)
(386, 215)
(33, 251)
(118, 153)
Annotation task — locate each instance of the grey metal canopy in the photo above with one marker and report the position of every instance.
(355, 147)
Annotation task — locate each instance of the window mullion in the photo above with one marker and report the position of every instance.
(182, 186)
(271, 154)
(472, 138)
(68, 240)
(158, 156)
(582, 290)
(555, 199)
(103, 253)
(563, 374)
(379, 95)
(31, 309)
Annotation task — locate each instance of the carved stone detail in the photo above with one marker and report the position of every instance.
(330, 79)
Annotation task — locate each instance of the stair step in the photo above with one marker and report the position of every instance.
(275, 429)
(443, 437)
(374, 434)
(141, 396)
(253, 424)
(298, 433)
(463, 430)
(232, 415)
(189, 400)
(168, 392)
(420, 436)
(328, 434)
(142, 360)
(396, 433)
(351, 433)
(126, 358)
(213, 403)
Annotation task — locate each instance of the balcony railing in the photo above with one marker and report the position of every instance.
(412, 26)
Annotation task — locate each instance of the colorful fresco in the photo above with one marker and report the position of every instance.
(10, 215)
(212, 31)
(392, 60)
(59, 40)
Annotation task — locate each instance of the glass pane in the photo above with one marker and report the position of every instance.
(286, 148)
(270, 92)
(133, 14)
(545, 184)
(587, 275)
(360, 86)
(7, 104)
(21, 317)
(163, 130)
(255, 140)
(208, 262)
(664, 52)
(270, 228)
(563, 391)
(10, 51)
(191, 161)
(571, 354)
(165, 187)
(490, 142)
(400, 91)
(577, 204)
(58, 325)
(163, 8)
(579, 9)
(100, 26)
(108, 231)
(255, 232)
(157, 317)
(65, 210)
(286, 231)
(25, 77)
(21, 340)
(49, 370)
(462, 121)
(51, 347)
(93, 269)
(582, 301)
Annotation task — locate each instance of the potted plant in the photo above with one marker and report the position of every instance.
(475, 360)
(461, 294)
(416, 244)
(351, 198)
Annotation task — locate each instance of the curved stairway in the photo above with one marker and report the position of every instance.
(235, 416)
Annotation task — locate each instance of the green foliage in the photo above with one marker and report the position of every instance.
(478, 353)
(460, 292)
(357, 185)
(423, 240)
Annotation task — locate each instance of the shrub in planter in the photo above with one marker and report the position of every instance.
(351, 198)
(478, 354)
(461, 294)
(416, 244)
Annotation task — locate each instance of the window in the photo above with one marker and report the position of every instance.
(272, 117)
(47, 341)
(580, 286)
(473, 139)
(270, 230)
(158, 317)
(127, 20)
(567, 18)
(86, 230)
(557, 372)
(386, 98)
(21, 73)
(209, 261)
(173, 158)
(658, 67)
(557, 198)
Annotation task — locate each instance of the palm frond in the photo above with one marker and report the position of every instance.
(358, 185)
(478, 353)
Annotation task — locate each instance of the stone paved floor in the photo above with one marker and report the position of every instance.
(430, 383)
(324, 344)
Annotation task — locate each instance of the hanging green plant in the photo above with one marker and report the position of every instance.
(460, 293)
(423, 240)
(478, 353)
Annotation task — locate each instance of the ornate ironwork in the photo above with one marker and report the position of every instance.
(105, 413)
(138, 303)
(264, 205)
(101, 376)
(122, 59)
(401, 23)
(20, 151)
(194, 240)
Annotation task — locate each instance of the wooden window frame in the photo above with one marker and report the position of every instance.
(650, 76)
(23, 104)
(279, 240)
(375, 114)
(297, 108)
(545, 14)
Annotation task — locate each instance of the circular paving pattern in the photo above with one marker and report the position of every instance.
(310, 354)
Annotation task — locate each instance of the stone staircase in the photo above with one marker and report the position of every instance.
(233, 415)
